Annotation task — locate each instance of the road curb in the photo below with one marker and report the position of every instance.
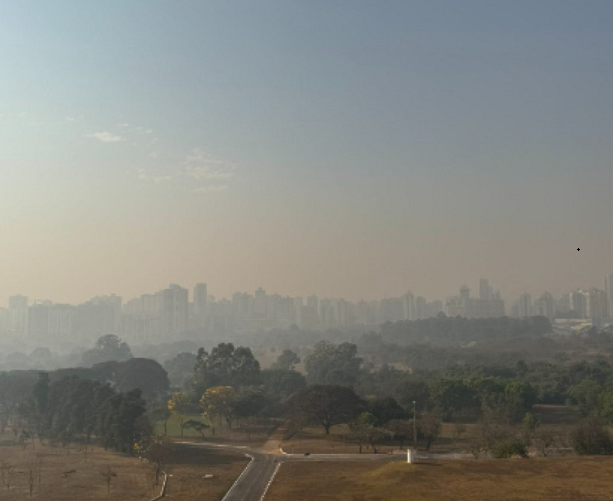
(239, 477)
(274, 474)
(163, 491)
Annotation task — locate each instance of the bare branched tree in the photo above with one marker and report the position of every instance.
(107, 475)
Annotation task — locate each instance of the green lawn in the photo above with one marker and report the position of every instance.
(174, 429)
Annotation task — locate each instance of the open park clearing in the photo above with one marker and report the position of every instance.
(202, 473)
(72, 473)
(535, 479)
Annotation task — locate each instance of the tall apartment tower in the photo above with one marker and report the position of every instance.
(200, 305)
(608, 290)
(173, 310)
(485, 290)
(18, 315)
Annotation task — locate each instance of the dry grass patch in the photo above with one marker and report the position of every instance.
(72, 474)
(537, 479)
(189, 464)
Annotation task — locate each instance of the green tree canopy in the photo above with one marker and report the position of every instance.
(333, 364)
(326, 405)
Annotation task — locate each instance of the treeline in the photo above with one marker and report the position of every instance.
(458, 331)
(82, 410)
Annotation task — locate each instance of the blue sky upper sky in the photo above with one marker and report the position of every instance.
(345, 148)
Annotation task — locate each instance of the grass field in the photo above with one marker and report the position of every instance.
(557, 419)
(188, 467)
(134, 480)
(536, 479)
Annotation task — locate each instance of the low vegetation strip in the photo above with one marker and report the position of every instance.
(48, 473)
(537, 479)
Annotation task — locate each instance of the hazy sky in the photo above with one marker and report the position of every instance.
(343, 148)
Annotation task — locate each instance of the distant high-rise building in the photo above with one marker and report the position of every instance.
(545, 306)
(18, 315)
(261, 306)
(576, 303)
(465, 306)
(595, 305)
(173, 310)
(409, 306)
(485, 290)
(523, 306)
(420, 308)
(608, 289)
(200, 311)
(391, 309)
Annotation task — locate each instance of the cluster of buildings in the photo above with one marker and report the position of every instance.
(170, 314)
(594, 305)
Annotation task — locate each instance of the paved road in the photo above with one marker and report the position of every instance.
(253, 482)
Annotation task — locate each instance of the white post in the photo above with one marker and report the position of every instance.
(411, 456)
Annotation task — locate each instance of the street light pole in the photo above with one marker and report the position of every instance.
(414, 426)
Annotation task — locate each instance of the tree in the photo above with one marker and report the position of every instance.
(410, 390)
(287, 361)
(159, 453)
(107, 474)
(181, 368)
(400, 429)
(385, 409)
(31, 474)
(219, 402)
(225, 366)
(520, 398)
(543, 440)
(333, 364)
(326, 405)
(198, 426)
(179, 406)
(40, 399)
(6, 472)
(429, 427)
(248, 402)
(283, 382)
(145, 374)
(591, 438)
(450, 396)
(364, 430)
(161, 413)
(109, 347)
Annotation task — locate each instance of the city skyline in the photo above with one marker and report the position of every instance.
(605, 283)
(349, 150)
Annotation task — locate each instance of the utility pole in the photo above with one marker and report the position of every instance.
(414, 426)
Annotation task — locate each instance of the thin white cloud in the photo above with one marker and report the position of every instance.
(204, 167)
(106, 137)
(143, 175)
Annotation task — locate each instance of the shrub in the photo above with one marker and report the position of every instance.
(591, 438)
(509, 448)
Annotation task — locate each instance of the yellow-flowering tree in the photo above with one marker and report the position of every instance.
(218, 402)
(179, 406)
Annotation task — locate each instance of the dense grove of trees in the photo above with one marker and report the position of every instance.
(370, 386)
(457, 331)
(80, 410)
